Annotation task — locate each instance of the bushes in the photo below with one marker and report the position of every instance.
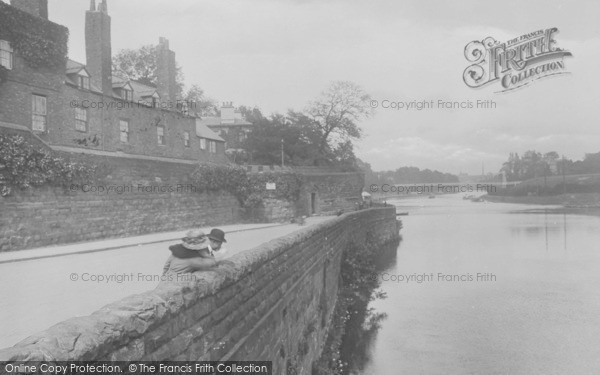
(249, 189)
(22, 166)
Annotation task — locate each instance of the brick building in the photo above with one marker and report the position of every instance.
(82, 108)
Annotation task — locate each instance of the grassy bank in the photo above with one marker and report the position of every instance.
(584, 203)
(554, 186)
(576, 200)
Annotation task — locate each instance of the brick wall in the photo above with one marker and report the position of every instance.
(332, 191)
(272, 303)
(54, 215)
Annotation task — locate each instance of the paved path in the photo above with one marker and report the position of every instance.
(38, 293)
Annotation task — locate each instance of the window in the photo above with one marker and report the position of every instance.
(160, 131)
(39, 113)
(81, 119)
(213, 147)
(127, 95)
(186, 139)
(84, 82)
(241, 136)
(124, 129)
(6, 54)
(185, 108)
(202, 143)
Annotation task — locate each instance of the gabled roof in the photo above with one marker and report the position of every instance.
(143, 90)
(204, 132)
(120, 82)
(75, 67)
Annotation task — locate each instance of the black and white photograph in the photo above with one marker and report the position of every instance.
(299, 187)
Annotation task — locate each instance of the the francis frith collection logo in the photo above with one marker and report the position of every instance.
(515, 63)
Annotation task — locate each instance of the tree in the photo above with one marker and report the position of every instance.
(200, 104)
(320, 135)
(513, 167)
(264, 143)
(337, 113)
(141, 64)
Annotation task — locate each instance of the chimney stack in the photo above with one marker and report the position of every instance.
(98, 46)
(227, 113)
(38, 8)
(166, 71)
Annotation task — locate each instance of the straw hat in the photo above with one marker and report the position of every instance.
(195, 240)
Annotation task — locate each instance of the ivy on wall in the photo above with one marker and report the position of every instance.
(22, 165)
(41, 43)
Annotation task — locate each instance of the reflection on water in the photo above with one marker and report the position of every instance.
(541, 315)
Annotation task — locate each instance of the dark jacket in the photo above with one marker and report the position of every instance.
(182, 253)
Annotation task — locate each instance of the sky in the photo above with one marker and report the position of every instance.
(281, 54)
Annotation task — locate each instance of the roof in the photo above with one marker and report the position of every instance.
(204, 132)
(74, 66)
(119, 82)
(216, 121)
(143, 90)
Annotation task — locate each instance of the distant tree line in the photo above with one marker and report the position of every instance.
(533, 164)
(405, 175)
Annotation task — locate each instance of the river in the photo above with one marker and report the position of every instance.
(534, 309)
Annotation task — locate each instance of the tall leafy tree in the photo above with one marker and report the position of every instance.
(338, 112)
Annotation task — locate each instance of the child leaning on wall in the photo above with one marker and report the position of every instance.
(194, 253)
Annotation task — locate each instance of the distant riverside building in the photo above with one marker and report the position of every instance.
(84, 108)
(231, 126)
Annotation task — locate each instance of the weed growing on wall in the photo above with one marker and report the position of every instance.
(353, 323)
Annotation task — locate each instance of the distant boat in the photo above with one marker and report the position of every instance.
(401, 213)
(431, 196)
(468, 197)
(477, 199)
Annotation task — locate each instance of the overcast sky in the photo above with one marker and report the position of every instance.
(280, 54)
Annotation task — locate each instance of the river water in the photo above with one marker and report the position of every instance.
(535, 308)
